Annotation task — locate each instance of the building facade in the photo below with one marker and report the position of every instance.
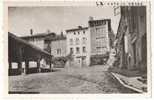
(101, 38)
(78, 43)
(37, 39)
(57, 45)
(131, 38)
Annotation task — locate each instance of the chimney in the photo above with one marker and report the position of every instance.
(31, 31)
(79, 27)
(91, 18)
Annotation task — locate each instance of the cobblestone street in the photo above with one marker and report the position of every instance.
(95, 79)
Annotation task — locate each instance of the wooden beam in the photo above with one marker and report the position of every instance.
(20, 66)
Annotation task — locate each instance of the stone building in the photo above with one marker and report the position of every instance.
(57, 45)
(101, 39)
(131, 38)
(91, 45)
(37, 39)
(50, 42)
(78, 43)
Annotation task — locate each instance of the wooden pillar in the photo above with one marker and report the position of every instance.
(10, 68)
(82, 61)
(10, 65)
(20, 67)
(51, 66)
(38, 65)
(20, 60)
(38, 59)
(26, 66)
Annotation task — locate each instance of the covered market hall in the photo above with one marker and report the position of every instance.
(20, 51)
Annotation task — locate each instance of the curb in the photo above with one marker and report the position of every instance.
(125, 85)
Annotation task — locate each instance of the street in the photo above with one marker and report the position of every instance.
(94, 79)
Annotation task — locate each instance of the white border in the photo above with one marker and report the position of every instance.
(65, 96)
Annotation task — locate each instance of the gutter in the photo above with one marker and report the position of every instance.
(125, 85)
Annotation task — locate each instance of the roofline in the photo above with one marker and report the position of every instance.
(33, 36)
(76, 29)
(59, 39)
(54, 39)
(36, 35)
(99, 20)
(26, 43)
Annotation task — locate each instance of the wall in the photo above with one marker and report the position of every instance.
(97, 41)
(134, 55)
(39, 42)
(58, 48)
(80, 36)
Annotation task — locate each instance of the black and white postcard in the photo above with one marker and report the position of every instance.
(78, 48)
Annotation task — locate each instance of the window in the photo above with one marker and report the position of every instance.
(84, 49)
(78, 33)
(98, 49)
(104, 23)
(58, 51)
(74, 33)
(83, 32)
(84, 40)
(101, 41)
(101, 49)
(77, 50)
(97, 38)
(71, 50)
(101, 31)
(71, 41)
(77, 41)
(104, 30)
(98, 30)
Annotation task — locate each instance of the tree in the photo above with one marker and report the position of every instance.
(70, 56)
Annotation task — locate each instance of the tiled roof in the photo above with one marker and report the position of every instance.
(22, 41)
(37, 35)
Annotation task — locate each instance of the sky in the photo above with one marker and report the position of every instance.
(55, 18)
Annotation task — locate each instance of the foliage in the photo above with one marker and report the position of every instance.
(70, 56)
(59, 62)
